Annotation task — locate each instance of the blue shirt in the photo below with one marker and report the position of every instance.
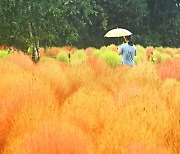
(128, 52)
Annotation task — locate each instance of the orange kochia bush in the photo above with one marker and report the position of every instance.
(88, 108)
(20, 89)
(169, 69)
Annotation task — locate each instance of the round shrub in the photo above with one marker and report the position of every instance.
(78, 57)
(22, 60)
(169, 69)
(169, 51)
(45, 59)
(112, 47)
(160, 48)
(96, 53)
(149, 51)
(53, 138)
(165, 57)
(177, 56)
(136, 59)
(62, 57)
(50, 52)
(4, 54)
(112, 58)
(157, 55)
(141, 52)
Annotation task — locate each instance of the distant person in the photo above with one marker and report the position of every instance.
(128, 51)
(152, 59)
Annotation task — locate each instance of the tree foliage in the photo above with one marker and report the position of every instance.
(164, 21)
(52, 22)
(84, 23)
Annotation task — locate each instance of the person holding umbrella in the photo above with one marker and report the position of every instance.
(128, 51)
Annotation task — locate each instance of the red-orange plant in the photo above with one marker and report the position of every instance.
(89, 107)
(51, 137)
(18, 90)
(52, 72)
(149, 51)
(42, 52)
(143, 148)
(169, 69)
(88, 51)
(1, 47)
(22, 60)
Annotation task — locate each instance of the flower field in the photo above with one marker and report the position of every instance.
(90, 103)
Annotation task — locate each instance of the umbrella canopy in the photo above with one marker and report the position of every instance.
(118, 32)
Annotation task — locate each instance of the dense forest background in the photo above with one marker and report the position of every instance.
(84, 23)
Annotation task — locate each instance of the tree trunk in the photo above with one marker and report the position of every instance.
(34, 41)
(35, 44)
(35, 53)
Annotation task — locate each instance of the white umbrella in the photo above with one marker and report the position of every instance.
(118, 32)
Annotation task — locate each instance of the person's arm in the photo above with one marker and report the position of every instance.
(120, 50)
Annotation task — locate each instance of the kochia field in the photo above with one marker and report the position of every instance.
(90, 104)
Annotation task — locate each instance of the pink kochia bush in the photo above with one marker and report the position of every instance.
(88, 108)
(169, 69)
(21, 60)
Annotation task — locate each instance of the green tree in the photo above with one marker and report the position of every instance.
(43, 22)
(112, 14)
(93, 32)
(164, 21)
